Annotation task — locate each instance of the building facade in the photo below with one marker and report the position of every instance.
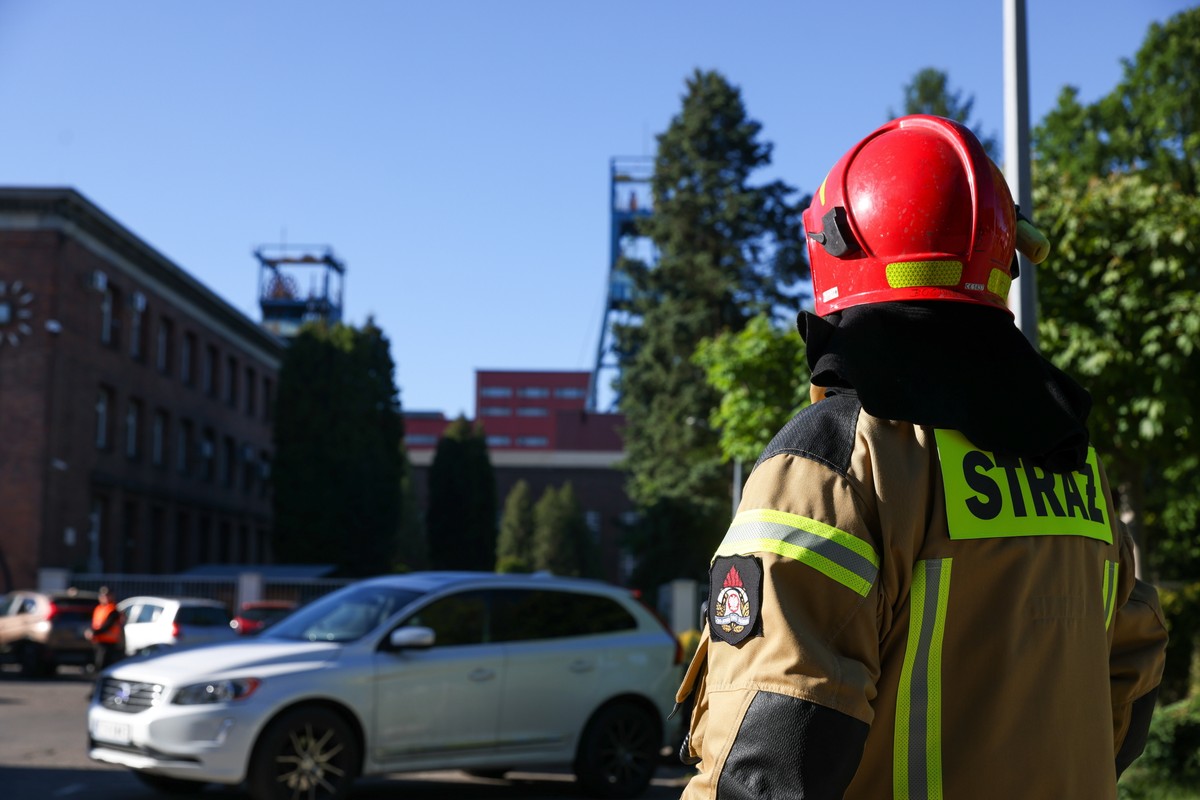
(538, 430)
(135, 403)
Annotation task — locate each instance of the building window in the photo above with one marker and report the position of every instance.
(104, 405)
(532, 411)
(534, 392)
(499, 441)
(162, 358)
(231, 381)
(108, 316)
(158, 439)
(495, 391)
(137, 325)
(227, 466)
(187, 360)
(249, 468)
(208, 371)
(208, 451)
(251, 391)
(133, 424)
(268, 399)
(570, 393)
(183, 446)
(495, 411)
(532, 441)
(420, 440)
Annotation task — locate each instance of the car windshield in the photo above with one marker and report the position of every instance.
(343, 616)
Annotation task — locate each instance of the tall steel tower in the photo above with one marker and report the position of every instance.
(631, 201)
(298, 284)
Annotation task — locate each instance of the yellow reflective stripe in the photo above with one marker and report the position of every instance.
(903, 274)
(834, 553)
(999, 283)
(917, 753)
(1110, 591)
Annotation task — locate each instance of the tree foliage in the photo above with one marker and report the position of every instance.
(461, 515)
(1116, 189)
(514, 547)
(929, 92)
(727, 250)
(761, 376)
(338, 459)
(562, 542)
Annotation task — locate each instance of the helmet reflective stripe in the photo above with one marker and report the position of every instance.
(903, 274)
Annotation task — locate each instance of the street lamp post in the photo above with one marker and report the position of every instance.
(1016, 155)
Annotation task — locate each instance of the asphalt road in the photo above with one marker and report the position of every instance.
(43, 756)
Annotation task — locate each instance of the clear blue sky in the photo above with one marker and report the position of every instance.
(455, 154)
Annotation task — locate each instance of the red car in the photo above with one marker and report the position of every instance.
(258, 614)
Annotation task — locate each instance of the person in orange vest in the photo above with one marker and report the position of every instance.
(927, 591)
(106, 631)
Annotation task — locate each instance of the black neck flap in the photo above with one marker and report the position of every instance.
(956, 366)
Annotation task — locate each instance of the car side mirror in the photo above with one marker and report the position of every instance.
(414, 636)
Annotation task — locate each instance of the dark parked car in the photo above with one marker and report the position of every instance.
(39, 631)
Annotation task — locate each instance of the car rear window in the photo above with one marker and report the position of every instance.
(525, 614)
(74, 614)
(202, 616)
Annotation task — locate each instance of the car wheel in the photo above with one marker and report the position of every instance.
(308, 753)
(30, 659)
(165, 785)
(618, 751)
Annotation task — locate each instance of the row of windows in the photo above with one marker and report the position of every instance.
(429, 440)
(196, 366)
(522, 441)
(505, 411)
(198, 451)
(534, 392)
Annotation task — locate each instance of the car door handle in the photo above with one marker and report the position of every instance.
(581, 665)
(482, 674)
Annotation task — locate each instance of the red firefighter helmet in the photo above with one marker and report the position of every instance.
(915, 211)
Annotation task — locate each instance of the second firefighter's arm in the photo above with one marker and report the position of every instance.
(784, 713)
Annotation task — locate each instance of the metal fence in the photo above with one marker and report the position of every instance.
(232, 590)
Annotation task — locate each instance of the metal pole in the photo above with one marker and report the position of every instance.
(737, 484)
(1016, 155)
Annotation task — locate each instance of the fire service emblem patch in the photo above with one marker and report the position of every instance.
(735, 598)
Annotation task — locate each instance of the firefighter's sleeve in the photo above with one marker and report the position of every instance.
(782, 686)
(1136, 660)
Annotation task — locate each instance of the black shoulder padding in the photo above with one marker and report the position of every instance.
(791, 749)
(823, 432)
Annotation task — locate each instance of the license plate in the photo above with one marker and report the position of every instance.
(114, 732)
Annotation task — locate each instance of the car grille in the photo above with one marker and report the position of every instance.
(129, 696)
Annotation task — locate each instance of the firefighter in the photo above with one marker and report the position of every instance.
(926, 591)
(106, 631)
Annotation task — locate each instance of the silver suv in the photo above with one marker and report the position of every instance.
(470, 671)
(39, 630)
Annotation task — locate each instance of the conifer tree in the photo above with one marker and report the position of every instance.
(461, 518)
(514, 548)
(727, 250)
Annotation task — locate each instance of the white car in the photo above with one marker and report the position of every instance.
(152, 623)
(472, 671)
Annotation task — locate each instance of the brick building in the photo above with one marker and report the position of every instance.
(538, 430)
(134, 402)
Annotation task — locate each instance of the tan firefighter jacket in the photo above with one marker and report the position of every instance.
(894, 613)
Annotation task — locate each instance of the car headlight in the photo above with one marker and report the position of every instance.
(223, 691)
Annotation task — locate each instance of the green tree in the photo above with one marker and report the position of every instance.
(561, 540)
(461, 517)
(929, 92)
(727, 250)
(412, 550)
(761, 376)
(338, 456)
(1116, 189)
(514, 548)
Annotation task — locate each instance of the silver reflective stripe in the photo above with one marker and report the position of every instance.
(841, 556)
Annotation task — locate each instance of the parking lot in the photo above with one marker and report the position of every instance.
(43, 755)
